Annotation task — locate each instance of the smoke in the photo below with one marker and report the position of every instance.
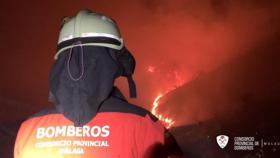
(245, 90)
(192, 37)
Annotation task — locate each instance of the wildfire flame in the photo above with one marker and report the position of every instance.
(178, 81)
(168, 122)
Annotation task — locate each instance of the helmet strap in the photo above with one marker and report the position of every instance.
(132, 86)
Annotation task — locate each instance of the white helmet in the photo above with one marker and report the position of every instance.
(89, 28)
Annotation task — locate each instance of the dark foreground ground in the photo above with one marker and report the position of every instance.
(199, 141)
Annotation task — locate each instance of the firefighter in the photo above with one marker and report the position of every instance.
(90, 117)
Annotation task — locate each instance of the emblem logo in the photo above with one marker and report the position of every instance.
(222, 140)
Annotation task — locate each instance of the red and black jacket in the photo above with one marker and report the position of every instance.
(118, 130)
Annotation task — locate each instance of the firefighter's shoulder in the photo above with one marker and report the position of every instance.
(110, 105)
(121, 106)
(39, 115)
(44, 112)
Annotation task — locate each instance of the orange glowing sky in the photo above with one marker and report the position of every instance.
(186, 36)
